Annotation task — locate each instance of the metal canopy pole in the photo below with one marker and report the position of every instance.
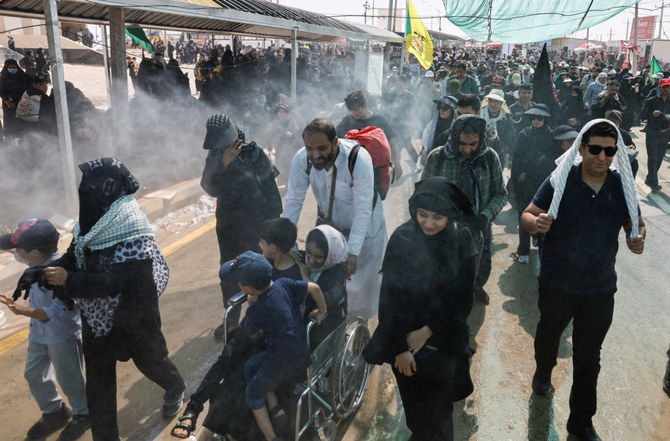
(105, 57)
(294, 64)
(117, 32)
(62, 116)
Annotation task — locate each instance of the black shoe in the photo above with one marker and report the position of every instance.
(656, 188)
(172, 403)
(50, 422)
(482, 296)
(542, 384)
(220, 331)
(583, 433)
(77, 427)
(666, 379)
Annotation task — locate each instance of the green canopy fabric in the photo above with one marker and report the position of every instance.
(525, 21)
(139, 37)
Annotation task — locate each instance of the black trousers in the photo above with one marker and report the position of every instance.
(428, 413)
(483, 270)
(524, 238)
(592, 317)
(656, 148)
(149, 352)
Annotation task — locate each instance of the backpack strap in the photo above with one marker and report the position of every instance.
(353, 155)
(309, 164)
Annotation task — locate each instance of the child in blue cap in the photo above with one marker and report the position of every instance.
(273, 314)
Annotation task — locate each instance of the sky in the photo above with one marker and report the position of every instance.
(434, 8)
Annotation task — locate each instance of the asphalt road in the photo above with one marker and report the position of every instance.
(632, 405)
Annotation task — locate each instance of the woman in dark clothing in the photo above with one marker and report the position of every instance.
(534, 147)
(426, 297)
(573, 111)
(115, 271)
(13, 82)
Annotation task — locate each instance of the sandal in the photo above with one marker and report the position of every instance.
(182, 425)
(279, 422)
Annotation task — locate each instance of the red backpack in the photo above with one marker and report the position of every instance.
(374, 141)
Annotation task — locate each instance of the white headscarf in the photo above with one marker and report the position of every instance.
(620, 163)
(337, 250)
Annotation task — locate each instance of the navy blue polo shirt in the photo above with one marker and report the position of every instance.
(277, 313)
(579, 251)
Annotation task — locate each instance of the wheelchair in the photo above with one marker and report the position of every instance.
(335, 382)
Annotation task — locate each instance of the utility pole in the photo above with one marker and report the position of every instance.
(660, 22)
(635, 41)
(389, 23)
(366, 6)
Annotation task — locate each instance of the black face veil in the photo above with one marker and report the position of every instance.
(104, 181)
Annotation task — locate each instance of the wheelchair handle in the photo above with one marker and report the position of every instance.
(237, 299)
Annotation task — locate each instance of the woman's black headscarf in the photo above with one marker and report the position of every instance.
(104, 181)
(441, 196)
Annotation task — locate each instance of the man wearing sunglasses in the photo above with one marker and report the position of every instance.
(577, 277)
(656, 110)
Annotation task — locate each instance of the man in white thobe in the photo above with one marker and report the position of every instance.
(354, 210)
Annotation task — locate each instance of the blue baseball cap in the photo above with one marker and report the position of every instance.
(31, 234)
(248, 268)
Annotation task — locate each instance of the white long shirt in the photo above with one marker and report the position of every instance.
(352, 206)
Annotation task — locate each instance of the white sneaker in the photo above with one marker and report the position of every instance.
(523, 259)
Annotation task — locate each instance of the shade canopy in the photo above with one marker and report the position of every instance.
(524, 21)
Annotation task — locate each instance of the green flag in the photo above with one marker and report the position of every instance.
(139, 37)
(655, 66)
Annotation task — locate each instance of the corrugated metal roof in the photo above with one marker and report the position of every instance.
(246, 17)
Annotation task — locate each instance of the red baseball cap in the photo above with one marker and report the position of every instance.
(665, 82)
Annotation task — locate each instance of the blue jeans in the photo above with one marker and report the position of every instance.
(66, 359)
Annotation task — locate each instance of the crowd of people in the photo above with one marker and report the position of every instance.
(461, 123)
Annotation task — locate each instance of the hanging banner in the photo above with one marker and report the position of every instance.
(375, 73)
(645, 28)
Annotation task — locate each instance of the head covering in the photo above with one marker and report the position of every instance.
(335, 254)
(221, 132)
(31, 234)
(104, 181)
(468, 176)
(453, 85)
(620, 162)
(516, 78)
(248, 268)
(602, 75)
(429, 74)
(539, 109)
(664, 82)
(658, 75)
(447, 99)
(498, 81)
(526, 86)
(441, 196)
(564, 132)
(568, 80)
(496, 94)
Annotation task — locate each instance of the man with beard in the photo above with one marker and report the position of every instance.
(468, 83)
(342, 180)
(467, 162)
(608, 100)
(242, 179)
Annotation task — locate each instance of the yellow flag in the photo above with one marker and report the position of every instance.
(417, 38)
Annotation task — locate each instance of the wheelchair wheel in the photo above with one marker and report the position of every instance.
(349, 373)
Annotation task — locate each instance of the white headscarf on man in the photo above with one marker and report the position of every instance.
(620, 163)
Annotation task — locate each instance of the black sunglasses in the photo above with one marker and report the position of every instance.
(596, 149)
(537, 117)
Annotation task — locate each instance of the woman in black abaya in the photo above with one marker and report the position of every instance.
(426, 297)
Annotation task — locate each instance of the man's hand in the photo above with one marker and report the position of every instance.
(9, 302)
(635, 245)
(230, 153)
(543, 222)
(350, 265)
(405, 363)
(318, 315)
(55, 275)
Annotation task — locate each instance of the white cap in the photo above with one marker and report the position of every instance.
(602, 75)
(496, 94)
(429, 74)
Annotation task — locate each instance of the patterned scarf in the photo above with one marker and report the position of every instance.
(124, 220)
(467, 165)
